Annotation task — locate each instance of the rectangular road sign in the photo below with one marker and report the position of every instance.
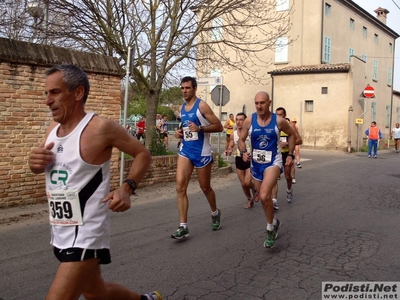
(359, 121)
(207, 81)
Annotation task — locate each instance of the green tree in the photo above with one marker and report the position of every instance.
(168, 99)
(137, 107)
(171, 96)
(166, 111)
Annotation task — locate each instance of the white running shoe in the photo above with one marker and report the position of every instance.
(289, 196)
(275, 202)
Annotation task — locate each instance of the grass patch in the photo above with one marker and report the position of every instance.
(222, 162)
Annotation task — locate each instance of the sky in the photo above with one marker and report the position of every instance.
(393, 6)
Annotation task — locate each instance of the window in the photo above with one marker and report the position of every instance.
(364, 57)
(214, 73)
(365, 32)
(390, 47)
(309, 106)
(351, 24)
(375, 38)
(327, 49)
(375, 70)
(390, 76)
(224, 116)
(373, 111)
(398, 114)
(216, 31)
(281, 49)
(324, 90)
(282, 5)
(327, 10)
(387, 116)
(351, 53)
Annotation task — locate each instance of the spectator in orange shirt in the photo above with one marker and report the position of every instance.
(374, 134)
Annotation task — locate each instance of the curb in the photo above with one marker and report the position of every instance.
(225, 170)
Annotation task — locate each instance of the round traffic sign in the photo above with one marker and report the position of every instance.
(369, 91)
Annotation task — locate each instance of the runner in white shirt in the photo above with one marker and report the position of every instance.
(242, 168)
(75, 158)
(396, 137)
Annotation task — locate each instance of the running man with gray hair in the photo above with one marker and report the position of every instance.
(75, 158)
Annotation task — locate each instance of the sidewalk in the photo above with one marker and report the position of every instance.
(145, 195)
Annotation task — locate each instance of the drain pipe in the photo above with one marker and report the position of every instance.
(349, 129)
(272, 93)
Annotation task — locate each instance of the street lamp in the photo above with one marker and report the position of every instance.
(39, 10)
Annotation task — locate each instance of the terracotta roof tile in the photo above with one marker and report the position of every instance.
(322, 68)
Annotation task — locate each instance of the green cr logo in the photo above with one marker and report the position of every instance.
(59, 175)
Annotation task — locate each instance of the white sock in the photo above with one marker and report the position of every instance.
(214, 213)
(274, 200)
(270, 227)
(184, 225)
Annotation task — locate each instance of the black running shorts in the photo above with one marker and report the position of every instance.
(79, 254)
(240, 164)
(284, 156)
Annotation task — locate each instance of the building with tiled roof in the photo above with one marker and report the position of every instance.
(321, 68)
(338, 49)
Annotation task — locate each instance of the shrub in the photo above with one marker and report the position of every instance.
(157, 146)
(221, 162)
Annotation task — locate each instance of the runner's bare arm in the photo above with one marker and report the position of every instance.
(215, 123)
(299, 140)
(227, 124)
(231, 144)
(242, 139)
(42, 155)
(119, 138)
(285, 127)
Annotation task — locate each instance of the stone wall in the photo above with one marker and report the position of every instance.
(24, 116)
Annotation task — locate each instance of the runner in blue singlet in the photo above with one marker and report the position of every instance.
(198, 121)
(266, 159)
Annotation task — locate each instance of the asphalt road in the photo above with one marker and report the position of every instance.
(343, 225)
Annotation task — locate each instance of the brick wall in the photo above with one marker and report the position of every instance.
(163, 169)
(24, 117)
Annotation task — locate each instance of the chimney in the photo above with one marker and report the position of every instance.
(381, 14)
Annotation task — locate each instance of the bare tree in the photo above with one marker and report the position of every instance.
(170, 37)
(15, 21)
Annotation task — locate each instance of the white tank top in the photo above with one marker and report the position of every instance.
(70, 174)
(396, 132)
(236, 139)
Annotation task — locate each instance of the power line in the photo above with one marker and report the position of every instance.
(396, 4)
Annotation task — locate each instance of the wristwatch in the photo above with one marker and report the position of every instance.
(242, 152)
(201, 128)
(132, 185)
(291, 155)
